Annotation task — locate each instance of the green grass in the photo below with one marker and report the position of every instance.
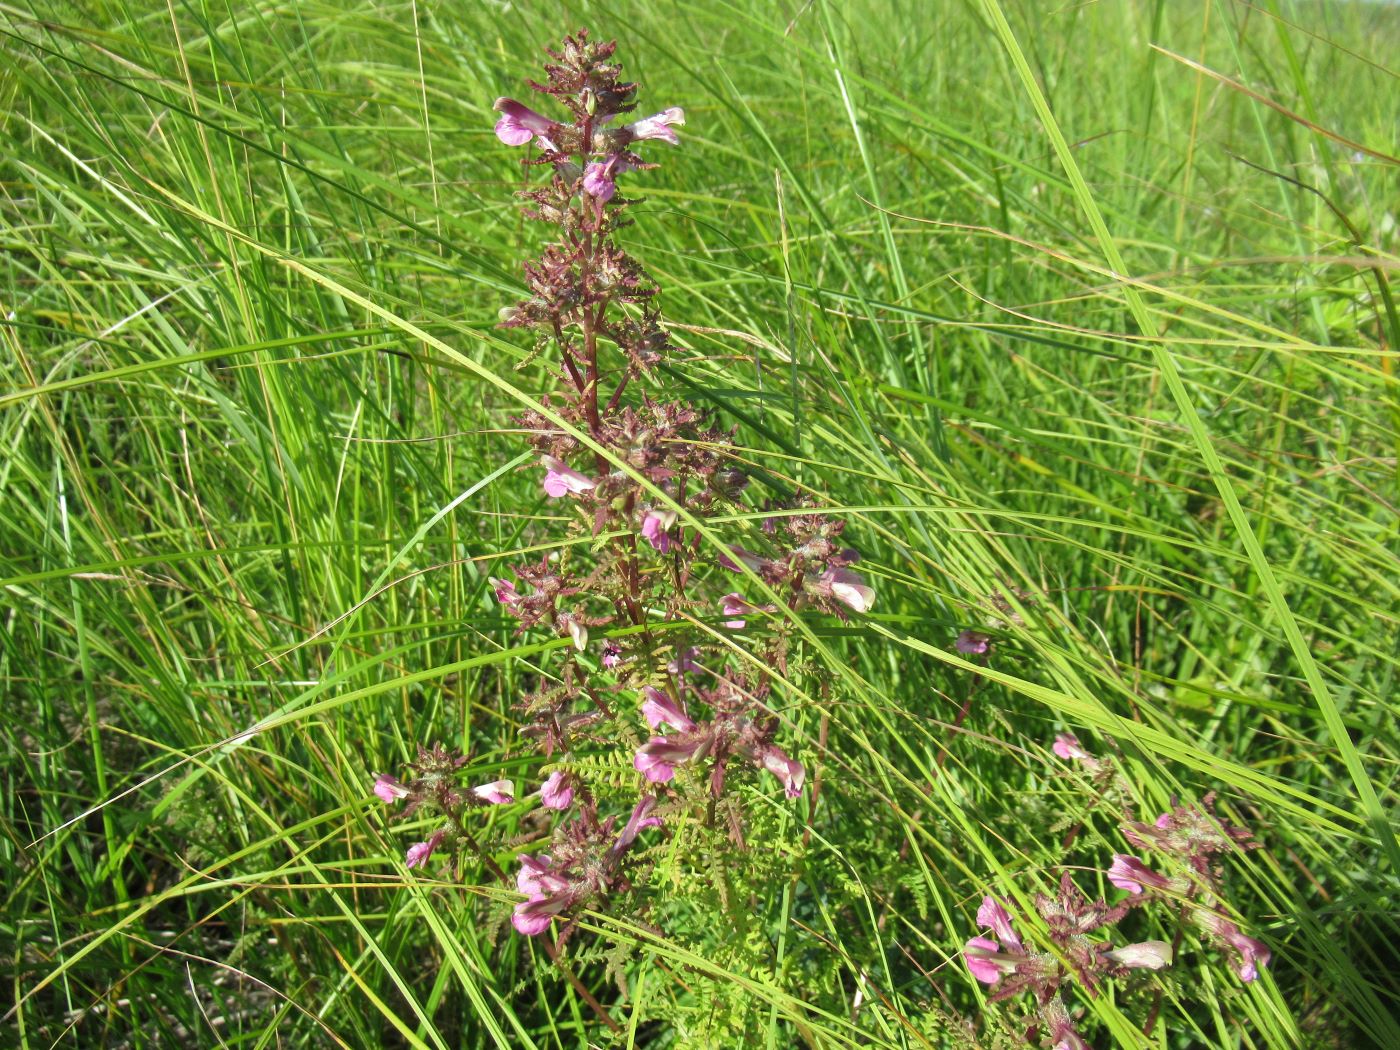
(1089, 301)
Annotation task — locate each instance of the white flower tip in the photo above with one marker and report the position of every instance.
(1147, 955)
(856, 595)
(579, 633)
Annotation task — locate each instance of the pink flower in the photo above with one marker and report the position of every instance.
(656, 770)
(505, 592)
(790, 771)
(557, 791)
(1067, 746)
(1252, 954)
(532, 917)
(1069, 1039)
(976, 952)
(559, 479)
(534, 876)
(600, 175)
(639, 819)
(734, 605)
(612, 655)
(656, 527)
(996, 918)
(658, 758)
(1129, 873)
(498, 792)
(658, 126)
(658, 709)
(419, 852)
(519, 123)
(388, 789)
(972, 643)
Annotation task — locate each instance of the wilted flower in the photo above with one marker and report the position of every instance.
(389, 789)
(419, 852)
(560, 479)
(579, 633)
(1145, 955)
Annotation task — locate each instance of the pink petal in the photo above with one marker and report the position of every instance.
(981, 967)
(659, 710)
(556, 792)
(653, 768)
(972, 643)
(532, 917)
(995, 917)
(511, 133)
(790, 771)
(598, 182)
(848, 587)
(734, 605)
(418, 854)
(388, 789)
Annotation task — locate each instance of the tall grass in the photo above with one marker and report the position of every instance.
(1088, 304)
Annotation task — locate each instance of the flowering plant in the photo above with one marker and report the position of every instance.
(647, 617)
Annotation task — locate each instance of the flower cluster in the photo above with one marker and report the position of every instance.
(585, 865)
(437, 787)
(647, 616)
(1190, 838)
(1005, 962)
(1189, 841)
